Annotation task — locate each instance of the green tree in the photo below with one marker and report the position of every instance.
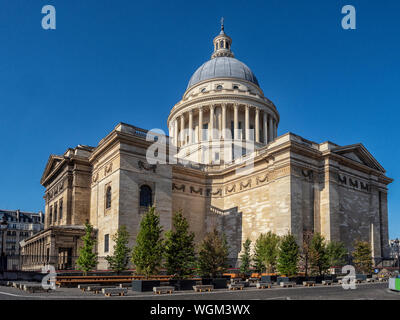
(271, 251)
(288, 256)
(245, 258)
(319, 258)
(87, 260)
(259, 254)
(120, 259)
(213, 254)
(147, 254)
(179, 248)
(362, 256)
(336, 253)
(266, 252)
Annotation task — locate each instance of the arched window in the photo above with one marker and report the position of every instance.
(108, 197)
(219, 87)
(146, 196)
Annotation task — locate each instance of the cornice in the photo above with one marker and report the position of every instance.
(216, 99)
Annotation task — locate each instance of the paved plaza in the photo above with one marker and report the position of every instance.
(373, 291)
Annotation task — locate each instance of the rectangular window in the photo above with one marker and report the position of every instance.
(106, 242)
(60, 212)
(55, 212)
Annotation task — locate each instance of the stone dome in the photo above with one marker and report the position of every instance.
(223, 67)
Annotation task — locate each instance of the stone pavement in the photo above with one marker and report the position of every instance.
(373, 291)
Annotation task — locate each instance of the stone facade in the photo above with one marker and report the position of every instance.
(281, 183)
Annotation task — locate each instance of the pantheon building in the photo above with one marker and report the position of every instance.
(226, 168)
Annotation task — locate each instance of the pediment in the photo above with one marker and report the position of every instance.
(360, 154)
(52, 163)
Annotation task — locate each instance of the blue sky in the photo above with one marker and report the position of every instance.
(113, 61)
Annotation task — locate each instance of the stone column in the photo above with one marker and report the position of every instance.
(271, 128)
(275, 128)
(265, 127)
(211, 127)
(190, 126)
(235, 121)
(223, 124)
(182, 129)
(247, 122)
(200, 124)
(257, 125)
(176, 132)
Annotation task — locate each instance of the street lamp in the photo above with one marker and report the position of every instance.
(3, 228)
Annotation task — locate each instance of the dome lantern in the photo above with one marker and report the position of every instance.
(222, 44)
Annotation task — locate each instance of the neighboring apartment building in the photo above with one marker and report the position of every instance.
(21, 225)
(394, 248)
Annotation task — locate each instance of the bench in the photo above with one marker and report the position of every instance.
(263, 285)
(108, 292)
(253, 280)
(327, 282)
(83, 287)
(370, 280)
(32, 288)
(383, 279)
(309, 283)
(203, 287)
(287, 284)
(165, 289)
(98, 289)
(236, 280)
(235, 286)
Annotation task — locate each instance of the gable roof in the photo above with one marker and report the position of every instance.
(53, 162)
(358, 153)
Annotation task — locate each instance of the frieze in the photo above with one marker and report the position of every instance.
(151, 167)
(230, 189)
(210, 192)
(198, 191)
(351, 182)
(107, 169)
(244, 186)
(181, 188)
(307, 173)
(260, 180)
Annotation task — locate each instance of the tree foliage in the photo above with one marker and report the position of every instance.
(147, 254)
(119, 260)
(319, 258)
(87, 260)
(288, 256)
(213, 254)
(362, 256)
(266, 252)
(245, 258)
(179, 248)
(337, 253)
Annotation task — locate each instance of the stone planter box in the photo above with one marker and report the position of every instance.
(281, 279)
(218, 283)
(269, 278)
(144, 285)
(182, 284)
